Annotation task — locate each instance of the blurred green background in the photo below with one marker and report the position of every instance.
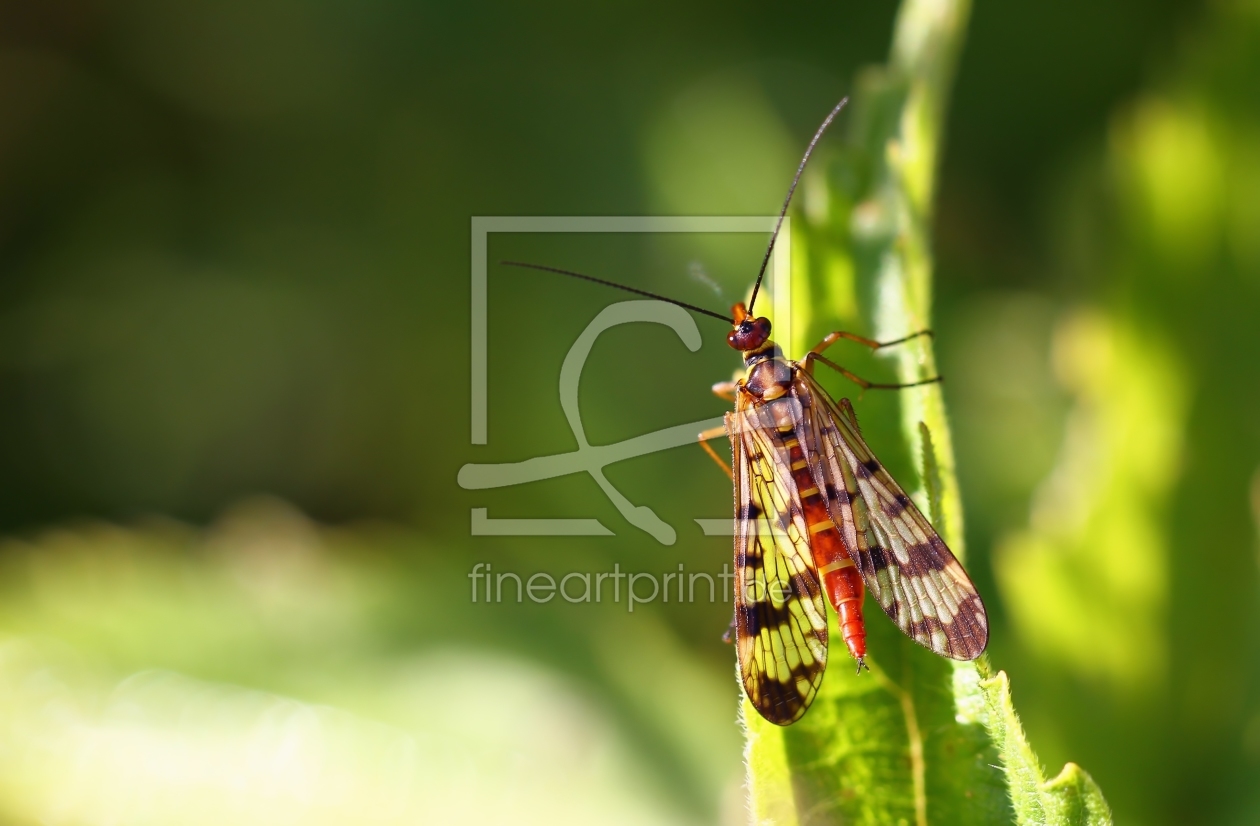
(234, 395)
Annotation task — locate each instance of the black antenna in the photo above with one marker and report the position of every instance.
(691, 307)
(817, 136)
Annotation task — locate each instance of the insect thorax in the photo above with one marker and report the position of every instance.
(768, 371)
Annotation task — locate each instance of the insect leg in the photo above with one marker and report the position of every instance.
(713, 433)
(811, 357)
(832, 338)
(726, 390)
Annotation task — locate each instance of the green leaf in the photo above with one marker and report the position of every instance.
(933, 482)
(1071, 797)
(920, 739)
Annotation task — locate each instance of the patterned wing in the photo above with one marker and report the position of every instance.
(905, 564)
(780, 615)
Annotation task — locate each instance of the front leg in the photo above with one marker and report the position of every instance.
(832, 338)
(723, 390)
(726, 390)
(713, 433)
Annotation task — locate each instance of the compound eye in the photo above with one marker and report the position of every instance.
(749, 335)
(761, 331)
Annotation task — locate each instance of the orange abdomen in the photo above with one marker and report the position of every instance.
(836, 569)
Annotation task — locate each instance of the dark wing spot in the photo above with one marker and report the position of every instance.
(879, 559)
(926, 557)
(803, 586)
(868, 468)
(839, 496)
(922, 631)
(750, 618)
(782, 704)
(803, 672)
(750, 510)
(897, 506)
(967, 636)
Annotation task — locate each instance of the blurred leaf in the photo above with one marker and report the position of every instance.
(919, 741)
(1112, 485)
(1131, 588)
(270, 670)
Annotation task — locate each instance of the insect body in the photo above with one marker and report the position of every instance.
(817, 514)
